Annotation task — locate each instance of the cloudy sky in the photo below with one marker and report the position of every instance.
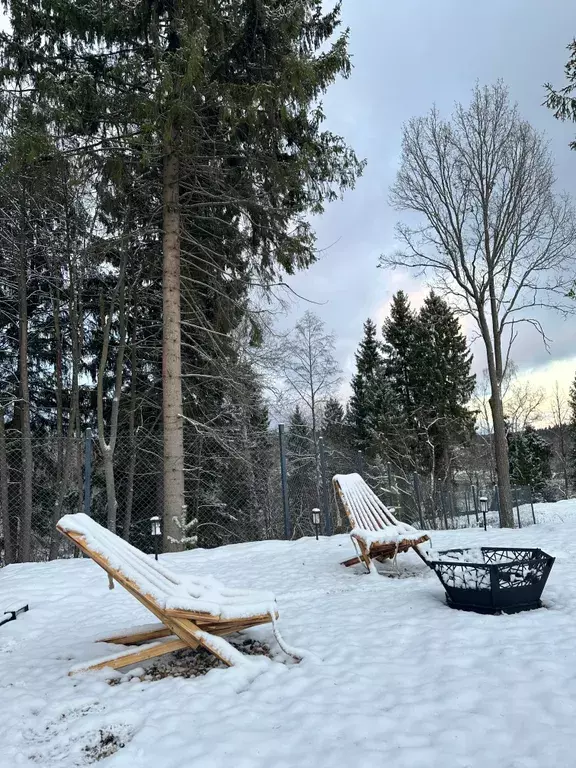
(408, 55)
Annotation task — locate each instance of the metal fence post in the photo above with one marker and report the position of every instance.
(497, 497)
(532, 505)
(325, 494)
(87, 471)
(517, 507)
(284, 477)
(475, 500)
(418, 502)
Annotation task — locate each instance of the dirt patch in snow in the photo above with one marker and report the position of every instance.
(189, 663)
(107, 744)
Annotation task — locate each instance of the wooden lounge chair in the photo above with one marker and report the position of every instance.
(376, 534)
(193, 611)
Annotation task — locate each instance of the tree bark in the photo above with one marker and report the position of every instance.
(501, 457)
(61, 455)
(174, 506)
(131, 438)
(4, 498)
(107, 448)
(25, 547)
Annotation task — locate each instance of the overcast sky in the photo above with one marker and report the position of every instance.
(408, 55)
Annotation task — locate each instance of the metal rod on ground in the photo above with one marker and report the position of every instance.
(497, 497)
(87, 471)
(532, 505)
(418, 501)
(284, 480)
(517, 507)
(467, 507)
(325, 494)
(359, 463)
(390, 502)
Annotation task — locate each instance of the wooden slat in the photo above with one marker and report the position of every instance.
(128, 637)
(126, 659)
(180, 623)
(365, 510)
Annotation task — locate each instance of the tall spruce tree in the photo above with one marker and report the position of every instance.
(400, 332)
(219, 101)
(530, 457)
(364, 402)
(442, 381)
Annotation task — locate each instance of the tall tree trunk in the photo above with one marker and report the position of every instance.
(25, 431)
(77, 342)
(174, 508)
(4, 498)
(60, 452)
(107, 448)
(131, 437)
(495, 374)
(501, 457)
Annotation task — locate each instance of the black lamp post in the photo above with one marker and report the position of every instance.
(484, 508)
(316, 520)
(156, 533)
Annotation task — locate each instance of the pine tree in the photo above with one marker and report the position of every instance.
(530, 457)
(218, 103)
(333, 424)
(364, 403)
(400, 331)
(442, 381)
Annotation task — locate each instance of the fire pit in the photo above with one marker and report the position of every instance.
(493, 579)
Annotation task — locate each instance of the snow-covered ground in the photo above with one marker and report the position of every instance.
(560, 512)
(395, 677)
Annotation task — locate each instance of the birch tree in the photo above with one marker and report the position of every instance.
(310, 368)
(490, 229)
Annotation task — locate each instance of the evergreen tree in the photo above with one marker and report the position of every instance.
(364, 403)
(217, 102)
(333, 422)
(443, 383)
(400, 332)
(530, 457)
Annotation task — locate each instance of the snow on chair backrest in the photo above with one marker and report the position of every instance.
(364, 508)
(168, 590)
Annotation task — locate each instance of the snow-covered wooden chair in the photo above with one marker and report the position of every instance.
(193, 611)
(376, 533)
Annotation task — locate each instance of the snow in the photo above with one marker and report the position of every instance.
(393, 674)
(374, 523)
(170, 590)
(389, 535)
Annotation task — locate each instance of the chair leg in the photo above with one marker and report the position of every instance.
(222, 649)
(137, 635)
(126, 658)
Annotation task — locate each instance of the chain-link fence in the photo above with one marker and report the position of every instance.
(239, 487)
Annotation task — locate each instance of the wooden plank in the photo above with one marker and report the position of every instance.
(125, 659)
(128, 637)
(180, 623)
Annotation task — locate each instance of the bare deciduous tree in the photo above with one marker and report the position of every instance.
(494, 234)
(309, 367)
(561, 424)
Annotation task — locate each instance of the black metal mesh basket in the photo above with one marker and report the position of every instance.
(508, 580)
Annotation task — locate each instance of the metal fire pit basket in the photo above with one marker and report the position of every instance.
(508, 581)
